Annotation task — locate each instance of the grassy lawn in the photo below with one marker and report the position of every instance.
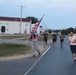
(13, 49)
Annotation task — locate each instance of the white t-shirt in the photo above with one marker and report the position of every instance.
(71, 40)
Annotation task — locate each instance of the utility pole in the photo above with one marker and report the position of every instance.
(21, 19)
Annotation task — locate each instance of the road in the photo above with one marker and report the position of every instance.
(57, 61)
(16, 67)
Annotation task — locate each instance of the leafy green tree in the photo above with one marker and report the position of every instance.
(33, 19)
(64, 31)
(67, 31)
(49, 31)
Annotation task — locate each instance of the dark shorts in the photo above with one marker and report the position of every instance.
(73, 48)
(54, 39)
(62, 40)
(45, 40)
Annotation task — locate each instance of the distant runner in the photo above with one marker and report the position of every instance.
(45, 38)
(62, 36)
(72, 42)
(54, 38)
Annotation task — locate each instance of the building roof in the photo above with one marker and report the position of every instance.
(13, 19)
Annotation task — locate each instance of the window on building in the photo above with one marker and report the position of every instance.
(0, 23)
(26, 24)
(7, 30)
(7, 23)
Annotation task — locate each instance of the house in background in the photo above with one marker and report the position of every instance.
(12, 25)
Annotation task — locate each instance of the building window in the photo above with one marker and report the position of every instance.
(0, 23)
(7, 23)
(25, 24)
(7, 30)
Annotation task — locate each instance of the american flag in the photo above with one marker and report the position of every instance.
(37, 24)
(35, 27)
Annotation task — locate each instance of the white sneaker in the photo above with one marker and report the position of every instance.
(74, 59)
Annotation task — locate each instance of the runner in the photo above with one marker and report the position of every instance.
(34, 37)
(62, 39)
(54, 38)
(72, 42)
(45, 38)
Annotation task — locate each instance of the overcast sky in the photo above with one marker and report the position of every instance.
(59, 14)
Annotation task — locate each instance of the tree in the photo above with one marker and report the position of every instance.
(67, 31)
(33, 19)
(64, 31)
(49, 31)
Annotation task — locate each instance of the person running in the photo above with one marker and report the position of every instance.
(72, 42)
(45, 38)
(62, 39)
(54, 36)
(34, 37)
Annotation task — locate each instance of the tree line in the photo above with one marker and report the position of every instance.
(63, 31)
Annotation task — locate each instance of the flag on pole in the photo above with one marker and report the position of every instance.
(40, 20)
(37, 23)
(35, 27)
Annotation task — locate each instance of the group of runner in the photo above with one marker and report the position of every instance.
(54, 39)
(34, 37)
(72, 41)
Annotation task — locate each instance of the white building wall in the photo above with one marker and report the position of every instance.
(25, 26)
(14, 26)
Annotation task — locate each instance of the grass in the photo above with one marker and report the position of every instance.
(13, 49)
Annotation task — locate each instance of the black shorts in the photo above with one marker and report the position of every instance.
(61, 40)
(73, 48)
(45, 40)
(54, 39)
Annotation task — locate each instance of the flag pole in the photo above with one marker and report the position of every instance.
(36, 29)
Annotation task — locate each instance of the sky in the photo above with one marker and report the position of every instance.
(59, 14)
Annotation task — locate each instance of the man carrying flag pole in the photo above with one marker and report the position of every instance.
(34, 37)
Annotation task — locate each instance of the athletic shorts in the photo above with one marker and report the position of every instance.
(61, 40)
(54, 39)
(73, 48)
(45, 40)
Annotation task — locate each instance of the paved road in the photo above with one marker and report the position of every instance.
(57, 61)
(16, 67)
